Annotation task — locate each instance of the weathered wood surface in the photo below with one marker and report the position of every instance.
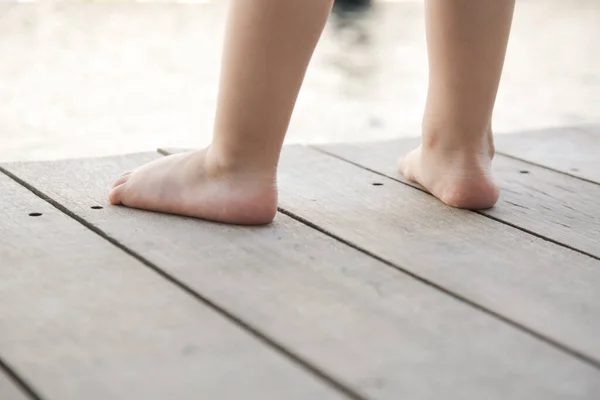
(551, 204)
(379, 331)
(9, 390)
(81, 319)
(545, 287)
(575, 150)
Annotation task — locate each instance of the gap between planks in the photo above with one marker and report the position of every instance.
(546, 167)
(22, 388)
(572, 142)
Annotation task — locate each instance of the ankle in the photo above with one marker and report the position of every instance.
(218, 163)
(450, 141)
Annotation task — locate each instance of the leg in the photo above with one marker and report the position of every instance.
(268, 46)
(467, 42)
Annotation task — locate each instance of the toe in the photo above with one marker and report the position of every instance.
(407, 165)
(121, 180)
(115, 196)
(403, 166)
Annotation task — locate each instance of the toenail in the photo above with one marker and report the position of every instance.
(377, 184)
(523, 171)
(35, 214)
(97, 207)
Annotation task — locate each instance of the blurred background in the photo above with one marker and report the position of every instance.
(92, 78)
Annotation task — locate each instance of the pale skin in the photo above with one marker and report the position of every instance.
(267, 50)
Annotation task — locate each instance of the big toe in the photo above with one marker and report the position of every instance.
(115, 196)
(121, 180)
(408, 165)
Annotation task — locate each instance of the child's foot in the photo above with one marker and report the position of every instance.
(459, 177)
(193, 184)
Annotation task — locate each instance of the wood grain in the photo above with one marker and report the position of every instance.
(9, 390)
(81, 319)
(551, 204)
(572, 150)
(545, 287)
(371, 327)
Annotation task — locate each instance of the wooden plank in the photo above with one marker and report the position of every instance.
(545, 287)
(81, 319)
(572, 150)
(379, 331)
(551, 204)
(9, 390)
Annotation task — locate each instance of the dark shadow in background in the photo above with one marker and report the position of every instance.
(351, 5)
(353, 59)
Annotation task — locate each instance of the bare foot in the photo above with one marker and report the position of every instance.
(193, 184)
(459, 177)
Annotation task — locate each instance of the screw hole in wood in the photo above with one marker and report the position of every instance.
(34, 214)
(523, 171)
(97, 207)
(377, 184)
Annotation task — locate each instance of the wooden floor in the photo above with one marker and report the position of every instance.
(364, 287)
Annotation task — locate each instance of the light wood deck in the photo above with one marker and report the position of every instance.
(364, 287)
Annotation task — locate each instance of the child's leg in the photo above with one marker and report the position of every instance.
(466, 43)
(267, 49)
